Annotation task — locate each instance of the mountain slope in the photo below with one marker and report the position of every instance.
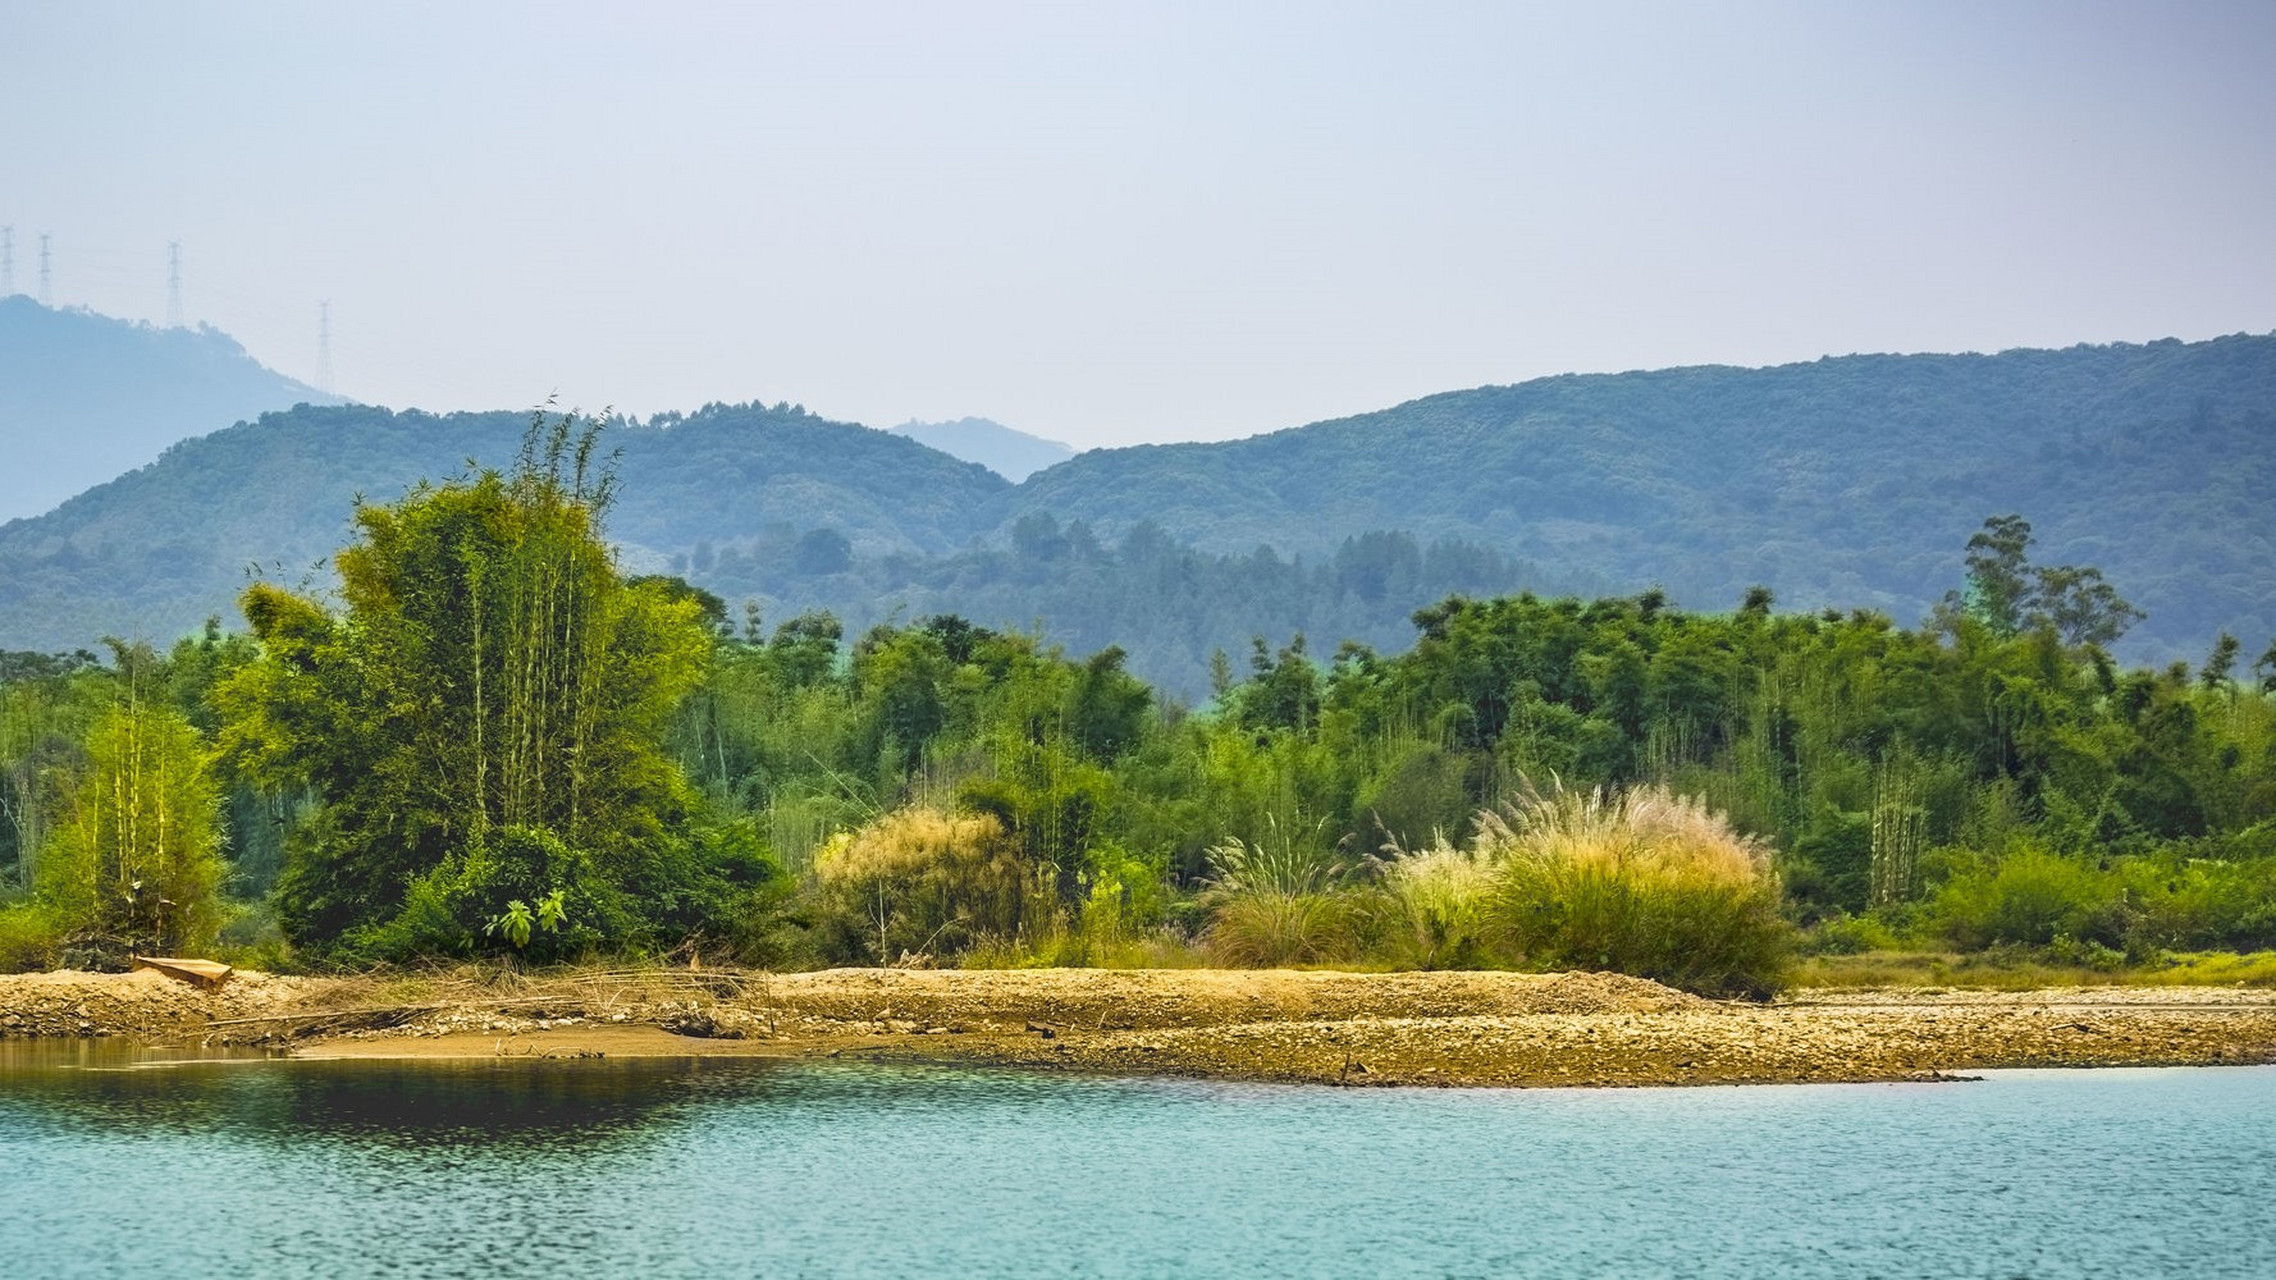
(160, 548)
(84, 397)
(1014, 455)
(1849, 481)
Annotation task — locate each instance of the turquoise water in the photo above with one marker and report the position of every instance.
(741, 1168)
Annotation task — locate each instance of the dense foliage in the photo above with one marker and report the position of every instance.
(481, 723)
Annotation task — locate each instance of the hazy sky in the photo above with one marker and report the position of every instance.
(1111, 224)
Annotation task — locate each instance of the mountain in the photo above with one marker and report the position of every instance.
(1849, 482)
(1014, 455)
(84, 397)
(160, 548)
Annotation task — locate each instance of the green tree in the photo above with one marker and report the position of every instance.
(492, 673)
(2221, 663)
(134, 858)
(1999, 579)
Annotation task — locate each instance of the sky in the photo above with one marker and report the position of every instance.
(1111, 224)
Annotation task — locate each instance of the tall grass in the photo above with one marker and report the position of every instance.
(1275, 901)
(1438, 907)
(1643, 882)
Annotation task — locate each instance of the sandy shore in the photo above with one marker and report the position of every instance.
(1413, 1028)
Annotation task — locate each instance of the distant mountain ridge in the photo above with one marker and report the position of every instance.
(1848, 481)
(1014, 455)
(84, 397)
(161, 547)
(1845, 482)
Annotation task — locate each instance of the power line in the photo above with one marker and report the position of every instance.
(324, 346)
(173, 284)
(47, 296)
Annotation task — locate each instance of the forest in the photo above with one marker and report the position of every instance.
(492, 740)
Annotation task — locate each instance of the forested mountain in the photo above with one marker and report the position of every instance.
(1849, 481)
(159, 549)
(1014, 455)
(84, 397)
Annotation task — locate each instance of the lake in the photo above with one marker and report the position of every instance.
(111, 1163)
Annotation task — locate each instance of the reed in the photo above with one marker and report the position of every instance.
(1275, 902)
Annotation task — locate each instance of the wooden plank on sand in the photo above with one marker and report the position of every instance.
(203, 973)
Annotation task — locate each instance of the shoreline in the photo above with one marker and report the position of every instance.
(1308, 1026)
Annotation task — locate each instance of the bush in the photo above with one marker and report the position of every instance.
(2030, 898)
(1850, 936)
(1274, 903)
(2200, 904)
(923, 882)
(1643, 882)
(30, 936)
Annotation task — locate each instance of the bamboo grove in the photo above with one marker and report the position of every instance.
(494, 741)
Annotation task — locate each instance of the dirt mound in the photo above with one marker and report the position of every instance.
(143, 1003)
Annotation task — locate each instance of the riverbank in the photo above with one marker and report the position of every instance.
(1284, 1025)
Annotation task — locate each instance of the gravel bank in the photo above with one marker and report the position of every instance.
(1411, 1028)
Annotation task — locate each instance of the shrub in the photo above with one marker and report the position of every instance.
(2201, 904)
(1273, 902)
(30, 936)
(1850, 936)
(1642, 882)
(923, 882)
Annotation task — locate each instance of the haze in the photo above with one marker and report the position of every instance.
(1112, 224)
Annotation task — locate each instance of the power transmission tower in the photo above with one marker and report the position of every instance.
(173, 284)
(47, 297)
(7, 262)
(324, 346)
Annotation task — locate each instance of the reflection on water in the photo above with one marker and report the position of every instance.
(742, 1167)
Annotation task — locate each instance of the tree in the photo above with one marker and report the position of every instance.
(2221, 663)
(134, 859)
(2007, 595)
(494, 687)
(2076, 604)
(1999, 580)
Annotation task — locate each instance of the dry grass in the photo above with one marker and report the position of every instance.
(1643, 882)
(924, 882)
(1439, 901)
(1647, 831)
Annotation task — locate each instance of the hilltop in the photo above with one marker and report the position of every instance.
(157, 550)
(84, 397)
(1014, 455)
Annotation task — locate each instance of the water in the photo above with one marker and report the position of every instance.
(110, 1165)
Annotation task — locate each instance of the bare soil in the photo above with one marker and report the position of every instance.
(1344, 1028)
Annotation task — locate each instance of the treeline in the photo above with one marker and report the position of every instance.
(496, 743)
(1168, 606)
